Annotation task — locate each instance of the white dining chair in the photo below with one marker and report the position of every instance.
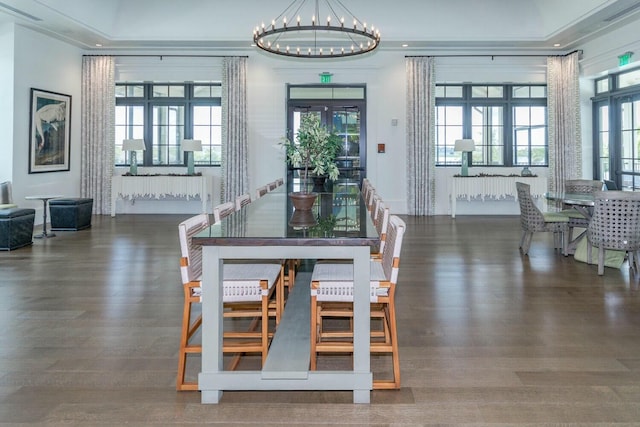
(247, 293)
(332, 285)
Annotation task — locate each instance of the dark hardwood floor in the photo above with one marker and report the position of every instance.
(90, 322)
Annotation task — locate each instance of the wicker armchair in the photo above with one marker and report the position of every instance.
(615, 225)
(582, 186)
(532, 220)
(578, 219)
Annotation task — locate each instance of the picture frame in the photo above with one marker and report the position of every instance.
(49, 131)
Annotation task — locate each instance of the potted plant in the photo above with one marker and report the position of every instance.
(314, 151)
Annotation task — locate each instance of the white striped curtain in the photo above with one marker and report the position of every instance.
(563, 99)
(420, 135)
(235, 175)
(97, 131)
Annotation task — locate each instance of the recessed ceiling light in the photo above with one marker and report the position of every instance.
(98, 44)
(556, 45)
(405, 45)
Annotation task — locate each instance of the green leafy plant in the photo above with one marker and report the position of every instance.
(314, 150)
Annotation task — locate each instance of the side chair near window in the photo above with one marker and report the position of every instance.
(615, 225)
(533, 220)
(332, 284)
(247, 292)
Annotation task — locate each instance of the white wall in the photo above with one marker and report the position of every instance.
(48, 64)
(6, 102)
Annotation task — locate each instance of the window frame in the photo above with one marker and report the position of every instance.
(613, 99)
(148, 101)
(507, 102)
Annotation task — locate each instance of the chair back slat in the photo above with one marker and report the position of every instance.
(261, 191)
(191, 270)
(242, 201)
(382, 224)
(223, 210)
(392, 248)
(582, 186)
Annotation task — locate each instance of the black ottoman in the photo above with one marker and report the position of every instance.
(16, 228)
(70, 214)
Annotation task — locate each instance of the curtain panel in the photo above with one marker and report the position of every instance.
(97, 131)
(420, 72)
(235, 174)
(564, 133)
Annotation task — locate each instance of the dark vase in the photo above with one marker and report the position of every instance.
(302, 219)
(319, 183)
(302, 201)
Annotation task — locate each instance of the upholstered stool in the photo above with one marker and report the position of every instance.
(16, 228)
(70, 214)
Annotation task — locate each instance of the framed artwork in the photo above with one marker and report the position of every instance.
(49, 131)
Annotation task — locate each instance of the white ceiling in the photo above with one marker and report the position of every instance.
(434, 25)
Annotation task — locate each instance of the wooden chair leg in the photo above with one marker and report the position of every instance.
(187, 331)
(314, 333)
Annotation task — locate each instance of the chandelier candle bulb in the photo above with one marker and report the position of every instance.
(342, 22)
(284, 22)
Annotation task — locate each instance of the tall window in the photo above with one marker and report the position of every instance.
(163, 114)
(616, 130)
(508, 124)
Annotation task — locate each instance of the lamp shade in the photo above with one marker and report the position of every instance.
(464, 145)
(132, 144)
(191, 145)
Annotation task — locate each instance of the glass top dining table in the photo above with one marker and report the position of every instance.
(339, 217)
(338, 227)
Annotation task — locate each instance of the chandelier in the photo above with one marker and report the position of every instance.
(340, 35)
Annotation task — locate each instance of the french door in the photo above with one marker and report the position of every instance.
(346, 117)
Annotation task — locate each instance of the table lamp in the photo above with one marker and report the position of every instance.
(191, 145)
(133, 145)
(465, 146)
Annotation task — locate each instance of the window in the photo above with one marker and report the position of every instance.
(163, 114)
(616, 129)
(508, 124)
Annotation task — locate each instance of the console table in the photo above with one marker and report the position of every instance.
(492, 187)
(159, 186)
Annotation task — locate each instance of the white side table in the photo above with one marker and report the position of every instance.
(45, 201)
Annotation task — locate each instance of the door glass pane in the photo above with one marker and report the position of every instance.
(129, 124)
(448, 129)
(487, 130)
(167, 131)
(346, 123)
(631, 78)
